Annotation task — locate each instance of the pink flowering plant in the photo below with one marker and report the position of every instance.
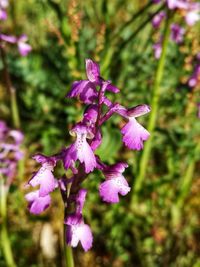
(10, 139)
(23, 47)
(79, 158)
(190, 13)
(10, 153)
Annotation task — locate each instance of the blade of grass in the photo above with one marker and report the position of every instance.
(5, 241)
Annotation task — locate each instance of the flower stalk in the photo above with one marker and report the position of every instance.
(153, 115)
(68, 252)
(79, 157)
(10, 154)
(69, 256)
(5, 242)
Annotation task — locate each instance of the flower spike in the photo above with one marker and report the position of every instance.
(80, 158)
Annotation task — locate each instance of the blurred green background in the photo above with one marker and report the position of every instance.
(162, 228)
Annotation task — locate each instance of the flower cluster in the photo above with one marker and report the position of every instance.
(79, 158)
(190, 11)
(10, 152)
(23, 47)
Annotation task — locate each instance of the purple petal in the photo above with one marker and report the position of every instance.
(83, 149)
(77, 231)
(69, 156)
(156, 21)
(122, 111)
(72, 238)
(138, 111)
(24, 49)
(85, 236)
(3, 14)
(115, 183)
(110, 189)
(89, 94)
(80, 200)
(177, 33)
(157, 47)
(4, 3)
(115, 170)
(93, 71)
(73, 219)
(86, 155)
(37, 204)
(192, 17)
(42, 159)
(90, 114)
(8, 38)
(107, 102)
(96, 142)
(17, 136)
(62, 184)
(85, 90)
(172, 4)
(77, 88)
(23, 38)
(134, 134)
(193, 80)
(3, 126)
(112, 88)
(3, 130)
(19, 155)
(45, 179)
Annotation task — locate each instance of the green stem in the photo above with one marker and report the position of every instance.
(153, 114)
(11, 90)
(69, 259)
(14, 108)
(5, 242)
